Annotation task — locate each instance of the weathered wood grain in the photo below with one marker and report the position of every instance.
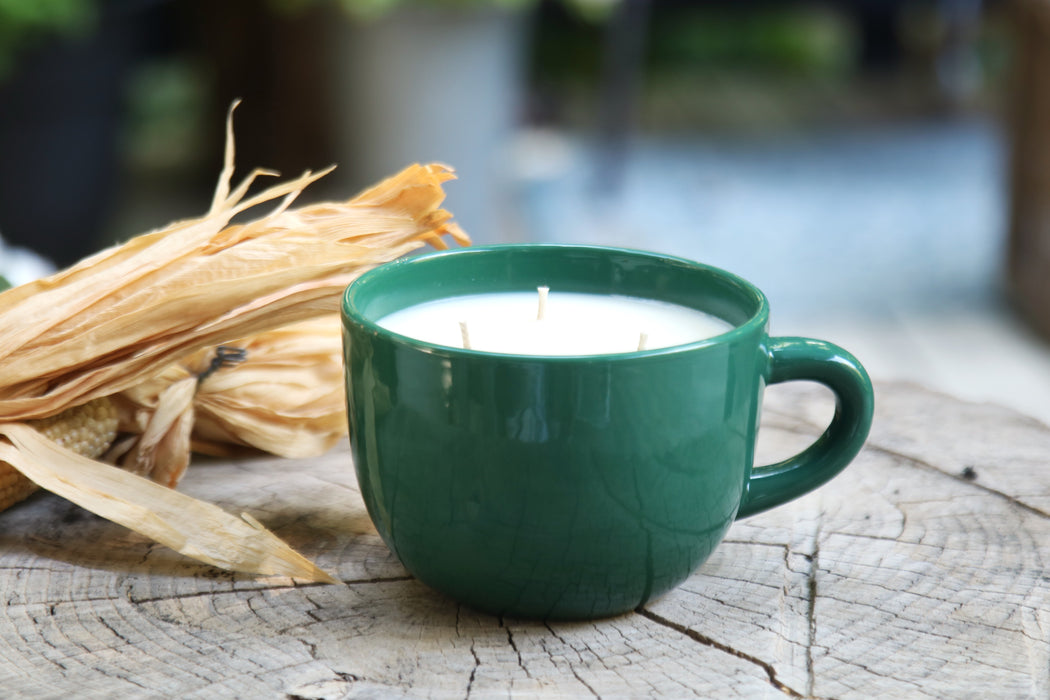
(919, 572)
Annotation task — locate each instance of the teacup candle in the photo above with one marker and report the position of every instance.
(568, 431)
(562, 323)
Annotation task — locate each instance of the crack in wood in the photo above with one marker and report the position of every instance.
(746, 609)
(585, 684)
(378, 579)
(257, 589)
(150, 547)
(124, 677)
(572, 667)
(102, 621)
(514, 646)
(899, 616)
(879, 538)
(735, 579)
(967, 476)
(919, 462)
(777, 545)
(770, 672)
(473, 671)
(811, 612)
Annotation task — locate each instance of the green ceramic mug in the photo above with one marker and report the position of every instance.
(582, 486)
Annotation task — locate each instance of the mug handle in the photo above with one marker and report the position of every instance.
(792, 359)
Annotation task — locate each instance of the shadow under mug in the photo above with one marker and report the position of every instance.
(583, 486)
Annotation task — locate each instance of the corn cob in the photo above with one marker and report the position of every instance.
(88, 430)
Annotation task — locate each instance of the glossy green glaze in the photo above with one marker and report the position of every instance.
(574, 487)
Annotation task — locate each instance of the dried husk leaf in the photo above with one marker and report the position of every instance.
(285, 397)
(120, 322)
(123, 315)
(160, 413)
(197, 529)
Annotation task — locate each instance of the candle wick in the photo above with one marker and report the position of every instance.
(643, 341)
(541, 312)
(464, 334)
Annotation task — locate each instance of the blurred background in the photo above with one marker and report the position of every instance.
(878, 167)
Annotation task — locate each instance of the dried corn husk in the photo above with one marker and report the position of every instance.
(284, 396)
(122, 316)
(303, 364)
(135, 322)
(194, 528)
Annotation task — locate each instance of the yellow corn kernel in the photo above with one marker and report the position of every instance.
(88, 430)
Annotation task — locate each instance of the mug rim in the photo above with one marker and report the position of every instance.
(350, 313)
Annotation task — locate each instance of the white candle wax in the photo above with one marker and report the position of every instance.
(572, 323)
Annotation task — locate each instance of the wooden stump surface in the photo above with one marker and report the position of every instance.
(921, 571)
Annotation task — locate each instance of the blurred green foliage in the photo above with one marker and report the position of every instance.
(370, 9)
(24, 22)
(167, 105)
(762, 66)
(797, 40)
